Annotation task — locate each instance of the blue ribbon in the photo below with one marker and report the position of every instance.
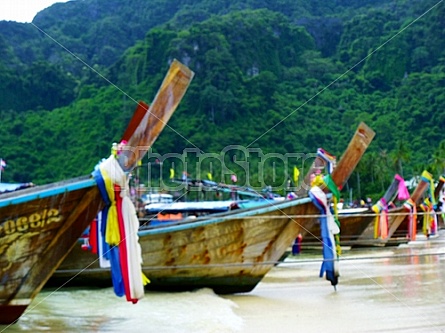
(110, 253)
(328, 248)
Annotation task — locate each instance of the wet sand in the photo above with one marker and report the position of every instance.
(394, 289)
(399, 289)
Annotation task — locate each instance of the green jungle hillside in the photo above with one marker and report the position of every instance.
(274, 80)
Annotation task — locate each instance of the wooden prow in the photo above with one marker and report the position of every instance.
(439, 188)
(415, 197)
(392, 190)
(306, 184)
(154, 120)
(352, 155)
(356, 148)
(138, 114)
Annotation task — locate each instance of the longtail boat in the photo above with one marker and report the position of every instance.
(353, 226)
(424, 214)
(352, 221)
(228, 252)
(355, 222)
(40, 225)
(395, 218)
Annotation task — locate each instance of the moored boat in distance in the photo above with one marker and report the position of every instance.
(40, 225)
(395, 218)
(229, 252)
(358, 221)
(161, 209)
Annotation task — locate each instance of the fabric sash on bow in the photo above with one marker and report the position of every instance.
(429, 226)
(429, 205)
(120, 227)
(328, 158)
(327, 181)
(381, 219)
(330, 184)
(410, 206)
(426, 175)
(402, 193)
(328, 229)
(103, 249)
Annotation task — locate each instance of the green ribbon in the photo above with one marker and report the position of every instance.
(332, 186)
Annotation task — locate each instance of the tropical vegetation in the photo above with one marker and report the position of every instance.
(274, 80)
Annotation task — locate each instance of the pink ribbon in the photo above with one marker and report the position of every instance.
(403, 193)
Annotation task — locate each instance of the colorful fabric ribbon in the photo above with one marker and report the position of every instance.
(328, 158)
(103, 249)
(381, 219)
(330, 184)
(426, 176)
(428, 206)
(429, 226)
(329, 228)
(402, 193)
(410, 206)
(120, 226)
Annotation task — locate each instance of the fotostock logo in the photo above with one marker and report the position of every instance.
(234, 165)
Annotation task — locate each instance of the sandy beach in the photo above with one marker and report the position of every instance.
(392, 289)
(398, 289)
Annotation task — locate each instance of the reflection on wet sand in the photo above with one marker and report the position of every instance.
(380, 290)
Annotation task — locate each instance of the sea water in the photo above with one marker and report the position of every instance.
(392, 289)
(99, 310)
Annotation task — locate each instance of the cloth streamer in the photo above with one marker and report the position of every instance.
(429, 219)
(120, 229)
(330, 184)
(426, 176)
(103, 249)
(410, 206)
(328, 158)
(402, 193)
(381, 219)
(328, 229)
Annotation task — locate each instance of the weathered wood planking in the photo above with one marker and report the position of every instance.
(40, 226)
(353, 225)
(169, 95)
(229, 252)
(396, 216)
(33, 241)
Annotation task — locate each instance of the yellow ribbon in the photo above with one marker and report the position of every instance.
(112, 233)
(429, 178)
(318, 181)
(376, 210)
(145, 279)
(427, 219)
(381, 219)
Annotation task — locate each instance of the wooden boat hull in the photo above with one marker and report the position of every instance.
(397, 223)
(230, 252)
(357, 224)
(38, 228)
(351, 228)
(367, 237)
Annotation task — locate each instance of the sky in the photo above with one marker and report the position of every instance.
(23, 10)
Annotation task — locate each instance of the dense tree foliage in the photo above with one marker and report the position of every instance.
(273, 80)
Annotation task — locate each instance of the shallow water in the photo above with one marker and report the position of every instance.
(398, 289)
